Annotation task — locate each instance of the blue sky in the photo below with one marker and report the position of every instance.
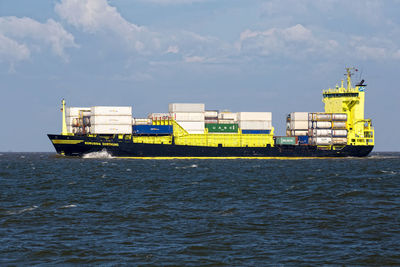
(241, 55)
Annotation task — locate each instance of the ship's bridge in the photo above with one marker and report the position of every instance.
(350, 100)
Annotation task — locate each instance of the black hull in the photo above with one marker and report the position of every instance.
(80, 145)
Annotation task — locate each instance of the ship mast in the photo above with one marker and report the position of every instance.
(64, 124)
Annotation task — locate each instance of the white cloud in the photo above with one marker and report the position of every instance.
(12, 51)
(373, 48)
(26, 34)
(293, 41)
(173, 49)
(369, 52)
(297, 33)
(98, 16)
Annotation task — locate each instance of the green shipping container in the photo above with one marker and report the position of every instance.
(222, 128)
(285, 140)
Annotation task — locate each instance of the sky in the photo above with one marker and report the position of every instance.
(238, 55)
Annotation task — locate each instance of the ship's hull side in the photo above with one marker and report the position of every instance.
(80, 145)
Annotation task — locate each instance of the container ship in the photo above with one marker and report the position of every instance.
(188, 130)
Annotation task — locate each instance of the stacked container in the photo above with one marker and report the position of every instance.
(255, 122)
(189, 116)
(111, 120)
(77, 119)
(141, 121)
(159, 116)
(227, 117)
(297, 124)
(211, 116)
(328, 128)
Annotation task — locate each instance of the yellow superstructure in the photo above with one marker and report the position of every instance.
(350, 100)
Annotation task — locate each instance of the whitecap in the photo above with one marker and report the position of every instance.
(128, 170)
(104, 154)
(194, 166)
(68, 206)
(22, 210)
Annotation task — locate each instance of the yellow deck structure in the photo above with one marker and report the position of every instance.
(350, 100)
(182, 137)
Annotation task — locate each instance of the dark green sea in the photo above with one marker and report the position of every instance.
(104, 211)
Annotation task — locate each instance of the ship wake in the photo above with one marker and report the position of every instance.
(104, 154)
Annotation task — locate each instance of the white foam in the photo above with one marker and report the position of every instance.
(382, 157)
(22, 211)
(98, 155)
(68, 206)
(185, 167)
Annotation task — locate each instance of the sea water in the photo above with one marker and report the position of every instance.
(100, 210)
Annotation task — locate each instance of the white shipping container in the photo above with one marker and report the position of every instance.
(320, 116)
(111, 129)
(300, 116)
(322, 141)
(322, 125)
(228, 116)
(192, 125)
(339, 140)
(339, 132)
(221, 121)
(211, 114)
(110, 120)
(299, 125)
(72, 121)
(255, 125)
(186, 107)
(138, 121)
(339, 125)
(322, 132)
(195, 131)
(109, 111)
(159, 116)
(188, 116)
(339, 116)
(76, 111)
(299, 132)
(254, 116)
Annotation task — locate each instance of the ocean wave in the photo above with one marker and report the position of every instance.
(104, 154)
(383, 156)
(185, 167)
(13, 212)
(68, 206)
